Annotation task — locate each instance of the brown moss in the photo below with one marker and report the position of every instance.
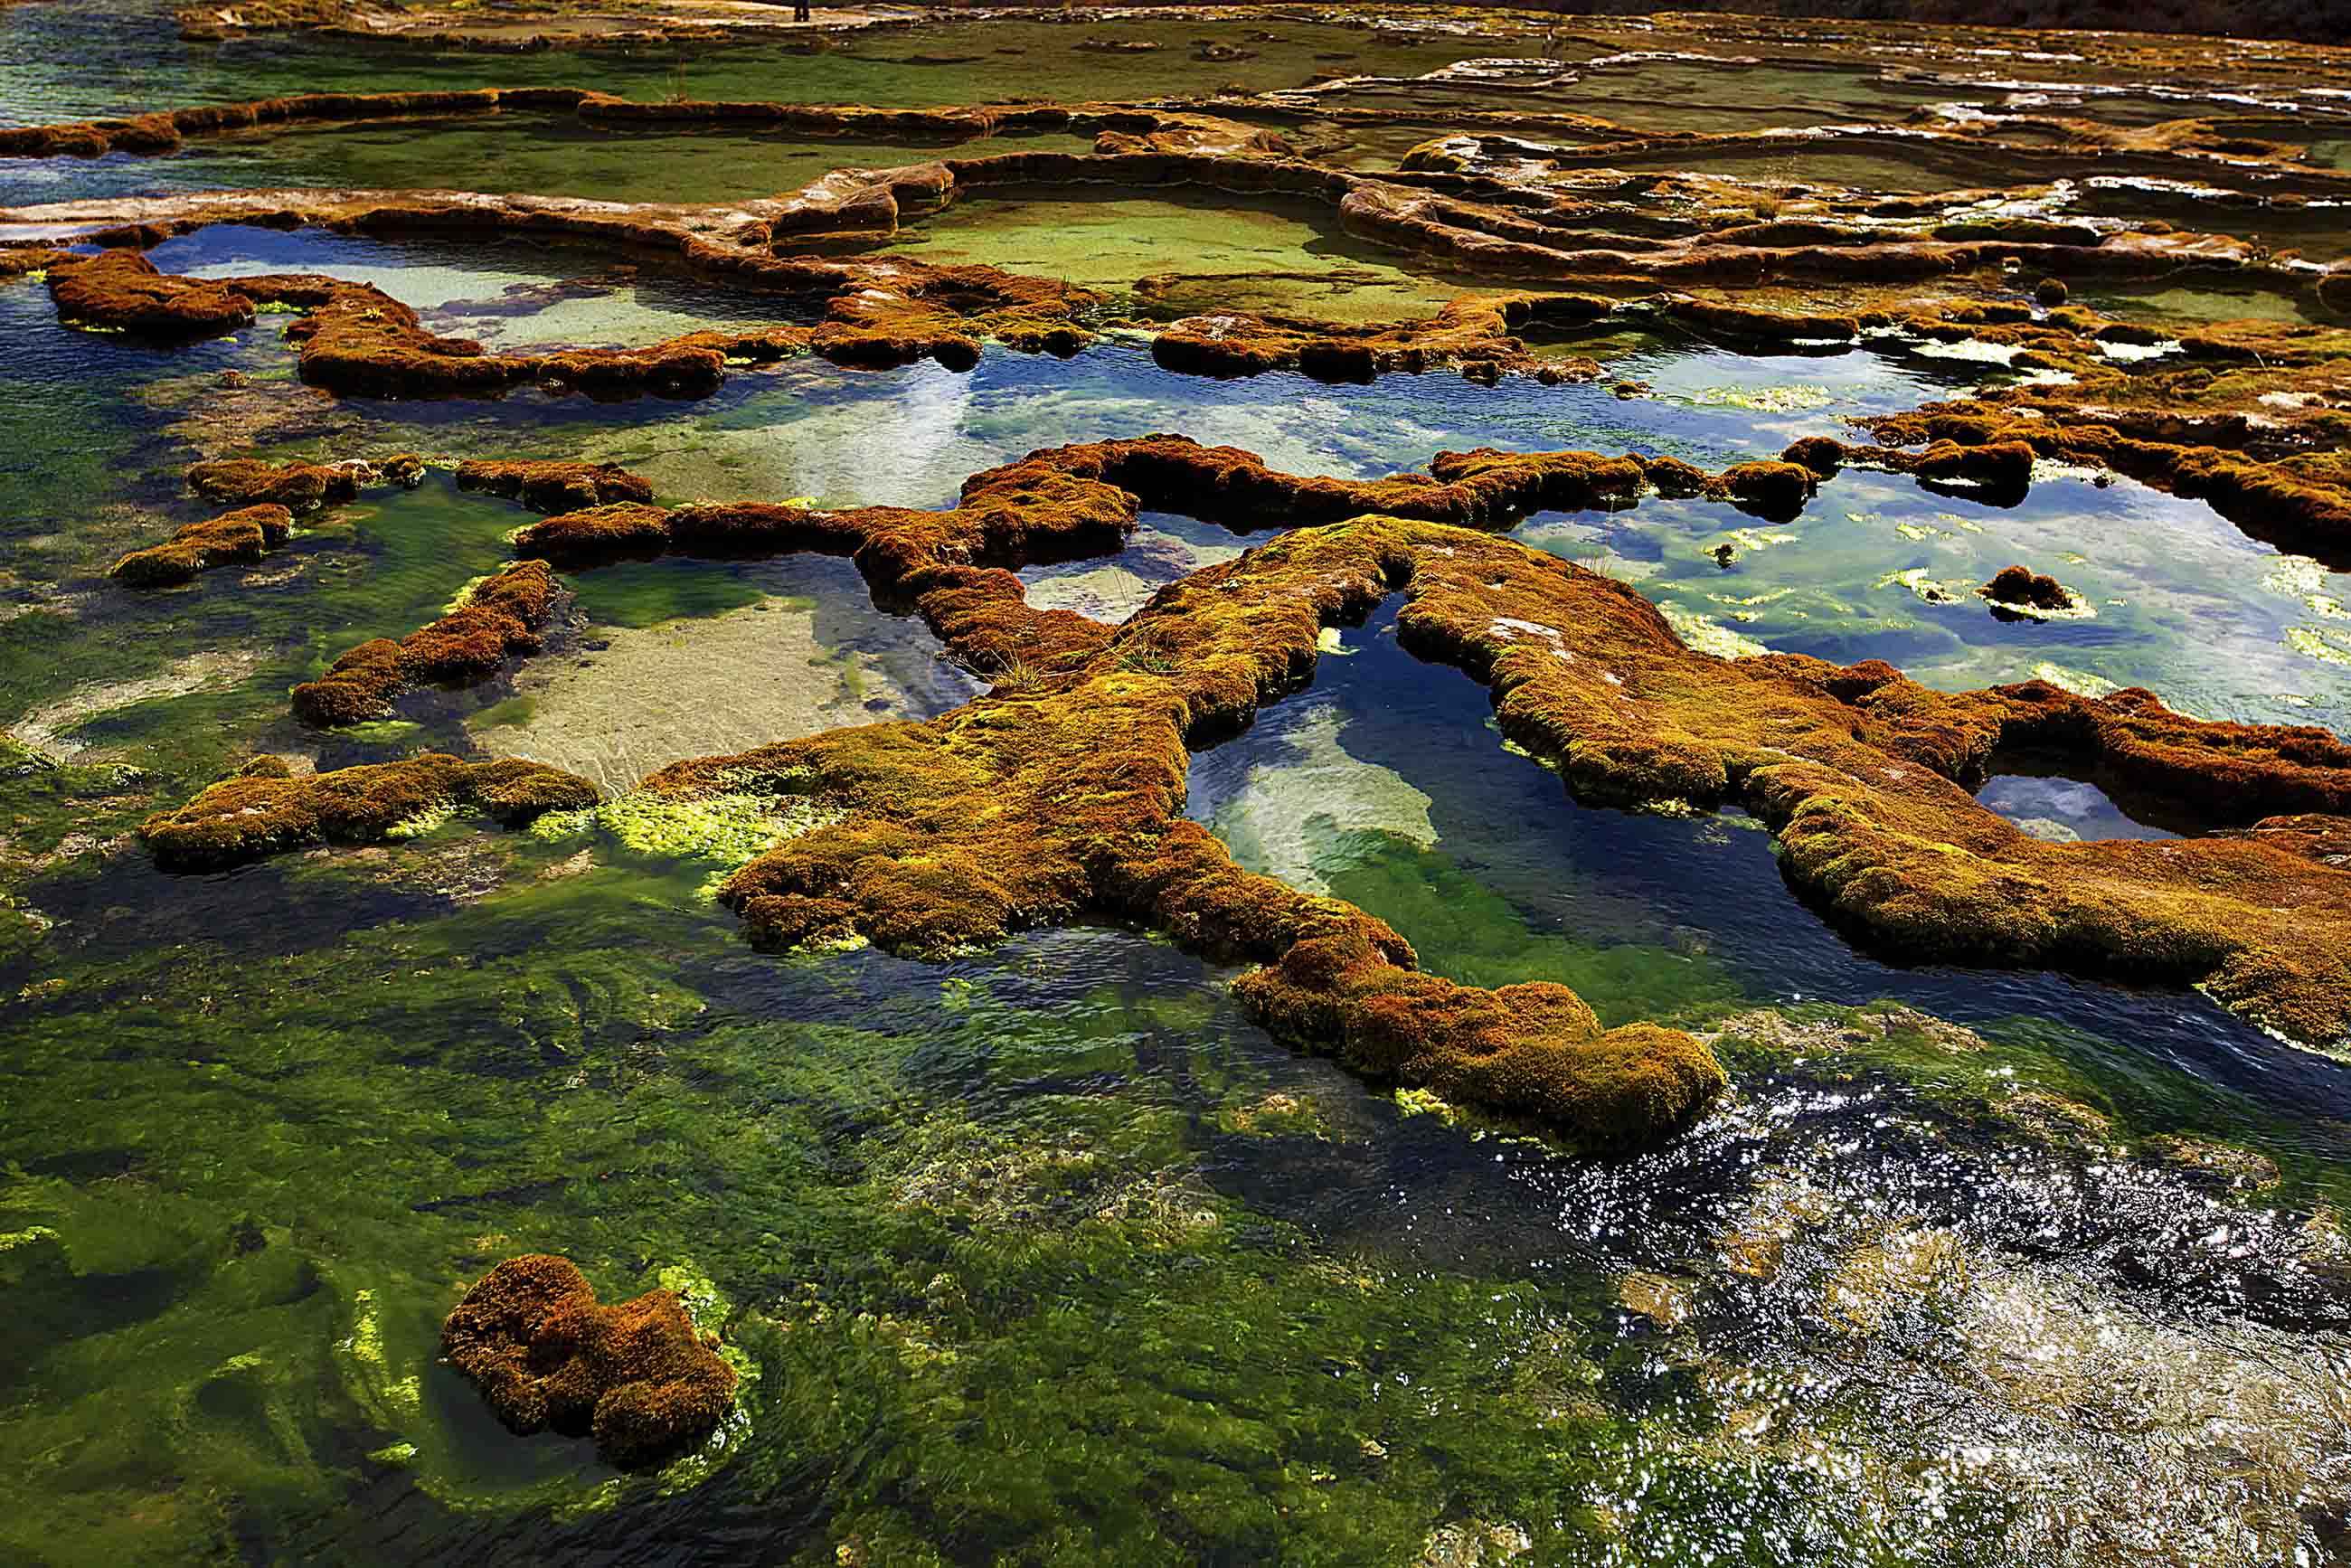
(244, 535)
(502, 616)
(122, 289)
(264, 812)
(1060, 800)
(1864, 777)
(1041, 806)
(546, 1354)
(1474, 332)
(354, 339)
(2021, 588)
(2298, 502)
(297, 485)
(1533, 1050)
(1820, 456)
(2003, 467)
(1773, 490)
(555, 487)
(1755, 324)
(621, 531)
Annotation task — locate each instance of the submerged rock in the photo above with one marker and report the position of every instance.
(2021, 588)
(636, 1376)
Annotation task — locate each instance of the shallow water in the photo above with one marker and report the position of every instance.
(1964, 1257)
(1386, 784)
(77, 64)
(1297, 254)
(512, 152)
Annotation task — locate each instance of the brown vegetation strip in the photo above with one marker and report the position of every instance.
(501, 616)
(267, 808)
(352, 338)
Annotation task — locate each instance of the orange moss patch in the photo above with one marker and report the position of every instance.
(1057, 798)
(123, 290)
(1534, 1050)
(1080, 500)
(554, 486)
(545, 1354)
(357, 340)
(297, 485)
(2301, 501)
(1474, 332)
(266, 809)
(1748, 323)
(244, 535)
(503, 615)
(1865, 775)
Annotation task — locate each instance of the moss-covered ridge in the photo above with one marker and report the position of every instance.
(354, 339)
(268, 807)
(1059, 799)
(1864, 775)
(497, 618)
(267, 496)
(1063, 803)
(242, 536)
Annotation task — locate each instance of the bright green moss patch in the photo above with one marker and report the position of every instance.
(728, 831)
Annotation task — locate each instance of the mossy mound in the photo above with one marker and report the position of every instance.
(244, 535)
(265, 809)
(636, 1376)
(554, 486)
(2021, 588)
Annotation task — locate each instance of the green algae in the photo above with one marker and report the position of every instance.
(1708, 634)
(726, 831)
(1800, 397)
(552, 155)
(1466, 932)
(1297, 258)
(2322, 643)
(918, 1321)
